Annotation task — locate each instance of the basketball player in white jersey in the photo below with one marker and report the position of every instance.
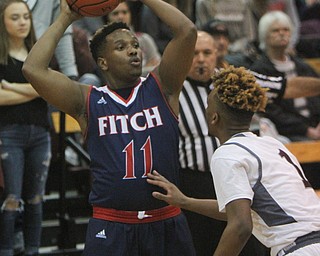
(260, 186)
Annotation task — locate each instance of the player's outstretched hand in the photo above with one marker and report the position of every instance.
(174, 196)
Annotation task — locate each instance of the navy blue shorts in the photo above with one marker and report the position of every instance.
(170, 237)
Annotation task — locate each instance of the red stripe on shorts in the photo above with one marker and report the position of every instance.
(135, 217)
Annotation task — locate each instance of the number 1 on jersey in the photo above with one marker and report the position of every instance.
(304, 180)
(147, 158)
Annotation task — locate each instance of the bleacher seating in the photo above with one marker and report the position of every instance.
(314, 63)
(66, 208)
(308, 154)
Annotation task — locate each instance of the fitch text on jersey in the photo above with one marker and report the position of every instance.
(140, 121)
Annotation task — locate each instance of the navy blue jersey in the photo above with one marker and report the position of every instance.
(128, 138)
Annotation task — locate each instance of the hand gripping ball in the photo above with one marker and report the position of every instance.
(93, 8)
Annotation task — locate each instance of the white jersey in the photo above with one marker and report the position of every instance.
(261, 169)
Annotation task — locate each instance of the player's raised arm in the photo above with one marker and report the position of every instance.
(55, 87)
(178, 55)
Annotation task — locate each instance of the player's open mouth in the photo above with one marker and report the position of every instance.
(135, 61)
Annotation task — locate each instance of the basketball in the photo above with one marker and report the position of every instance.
(93, 8)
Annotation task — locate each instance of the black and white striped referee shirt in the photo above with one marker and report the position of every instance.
(196, 146)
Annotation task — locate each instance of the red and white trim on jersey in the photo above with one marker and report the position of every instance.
(117, 98)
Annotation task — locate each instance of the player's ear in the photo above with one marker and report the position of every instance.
(102, 63)
(215, 118)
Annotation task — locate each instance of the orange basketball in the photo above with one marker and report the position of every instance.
(93, 8)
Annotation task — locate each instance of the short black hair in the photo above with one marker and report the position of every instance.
(100, 35)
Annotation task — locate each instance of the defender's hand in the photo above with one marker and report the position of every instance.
(174, 196)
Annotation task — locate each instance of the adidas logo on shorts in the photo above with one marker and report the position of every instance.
(101, 234)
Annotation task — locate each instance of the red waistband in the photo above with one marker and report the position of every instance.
(134, 217)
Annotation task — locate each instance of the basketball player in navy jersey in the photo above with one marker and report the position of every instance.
(260, 185)
(131, 128)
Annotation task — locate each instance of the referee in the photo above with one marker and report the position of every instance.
(196, 147)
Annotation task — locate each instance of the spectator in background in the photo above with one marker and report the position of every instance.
(220, 33)
(237, 17)
(186, 6)
(311, 10)
(87, 67)
(150, 53)
(309, 43)
(89, 24)
(288, 7)
(297, 119)
(295, 87)
(44, 13)
(154, 27)
(279, 87)
(25, 139)
(242, 20)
